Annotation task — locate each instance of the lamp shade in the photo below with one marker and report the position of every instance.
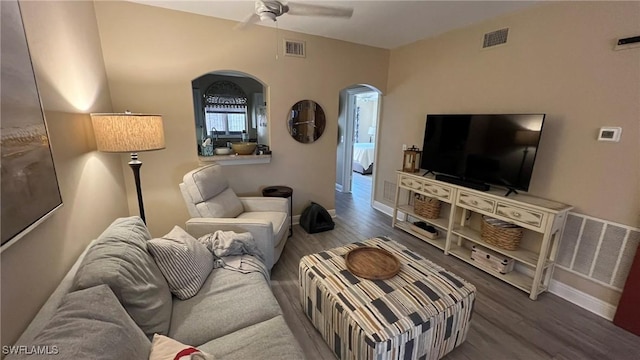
(128, 132)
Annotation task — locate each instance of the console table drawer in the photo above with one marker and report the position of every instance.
(437, 191)
(476, 202)
(410, 183)
(520, 216)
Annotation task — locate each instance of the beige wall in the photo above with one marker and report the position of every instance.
(559, 61)
(152, 55)
(65, 50)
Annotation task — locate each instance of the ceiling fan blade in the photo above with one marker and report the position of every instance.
(295, 8)
(249, 20)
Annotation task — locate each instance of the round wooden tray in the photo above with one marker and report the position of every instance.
(372, 263)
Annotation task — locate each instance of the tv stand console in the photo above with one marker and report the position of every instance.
(459, 226)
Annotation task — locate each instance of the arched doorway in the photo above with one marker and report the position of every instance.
(358, 140)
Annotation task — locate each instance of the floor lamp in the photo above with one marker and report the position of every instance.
(129, 133)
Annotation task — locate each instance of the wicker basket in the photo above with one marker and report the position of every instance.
(500, 233)
(426, 207)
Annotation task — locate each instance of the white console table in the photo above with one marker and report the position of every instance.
(459, 222)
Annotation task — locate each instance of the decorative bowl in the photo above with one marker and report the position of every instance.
(244, 148)
(223, 151)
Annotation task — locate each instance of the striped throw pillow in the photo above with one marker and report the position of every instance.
(183, 261)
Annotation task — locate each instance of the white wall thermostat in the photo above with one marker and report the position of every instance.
(609, 133)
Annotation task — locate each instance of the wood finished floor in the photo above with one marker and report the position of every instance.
(505, 323)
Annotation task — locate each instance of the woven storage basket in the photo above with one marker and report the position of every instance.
(500, 233)
(426, 207)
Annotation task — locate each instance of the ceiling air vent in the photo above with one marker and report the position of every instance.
(295, 48)
(494, 38)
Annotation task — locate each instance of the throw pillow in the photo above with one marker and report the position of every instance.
(164, 348)
(89, 324)
(184, 262)
(120, 259)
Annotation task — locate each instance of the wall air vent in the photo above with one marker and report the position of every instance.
(389, 193)
(627, 43)
(295, 48)
(494, 38)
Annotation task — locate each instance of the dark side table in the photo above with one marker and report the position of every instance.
(282, 192)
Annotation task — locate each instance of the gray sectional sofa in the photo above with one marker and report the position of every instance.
(115, 298)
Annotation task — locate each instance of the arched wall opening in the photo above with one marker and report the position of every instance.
(229, 106)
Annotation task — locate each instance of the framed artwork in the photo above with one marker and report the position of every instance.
(29, 186)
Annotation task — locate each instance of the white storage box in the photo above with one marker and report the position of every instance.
(491, 259)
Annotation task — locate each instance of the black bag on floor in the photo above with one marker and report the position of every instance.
(315, 219)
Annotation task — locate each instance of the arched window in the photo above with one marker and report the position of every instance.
(225, 108)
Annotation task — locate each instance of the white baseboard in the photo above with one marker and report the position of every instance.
(584, 300)
(339, 187)
(386, 209)
(383, 208)
(296, 218)
(575, 296)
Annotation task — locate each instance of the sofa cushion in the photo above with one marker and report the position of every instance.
(119, 258)
(184, 262)
(210, 192)
(205, 182)
(224, 205)
(165, 348)
(270, 339)
(277, 219)
(228, 301)
(90, 324)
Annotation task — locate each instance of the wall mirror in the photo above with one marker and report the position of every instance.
(306, 121)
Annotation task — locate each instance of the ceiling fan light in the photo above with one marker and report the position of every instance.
(267, 16)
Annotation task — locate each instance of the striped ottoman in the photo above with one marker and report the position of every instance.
(421, 313)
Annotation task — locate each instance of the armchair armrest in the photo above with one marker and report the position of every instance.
(265, 204)
(261, 230)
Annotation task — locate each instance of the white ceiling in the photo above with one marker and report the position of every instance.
(385, 24)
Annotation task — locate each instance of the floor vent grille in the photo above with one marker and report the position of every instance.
(599, 250)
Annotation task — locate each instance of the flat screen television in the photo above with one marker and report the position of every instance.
(493, 149)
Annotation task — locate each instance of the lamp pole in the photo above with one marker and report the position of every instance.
(135, 165)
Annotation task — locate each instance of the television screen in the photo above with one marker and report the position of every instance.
(496, 149)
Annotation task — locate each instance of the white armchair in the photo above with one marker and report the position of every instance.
(214, 206)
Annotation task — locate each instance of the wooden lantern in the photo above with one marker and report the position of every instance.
(411, 163)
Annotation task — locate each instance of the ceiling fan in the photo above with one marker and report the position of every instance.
(270, 10)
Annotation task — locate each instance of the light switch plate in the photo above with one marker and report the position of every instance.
(609, 133)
